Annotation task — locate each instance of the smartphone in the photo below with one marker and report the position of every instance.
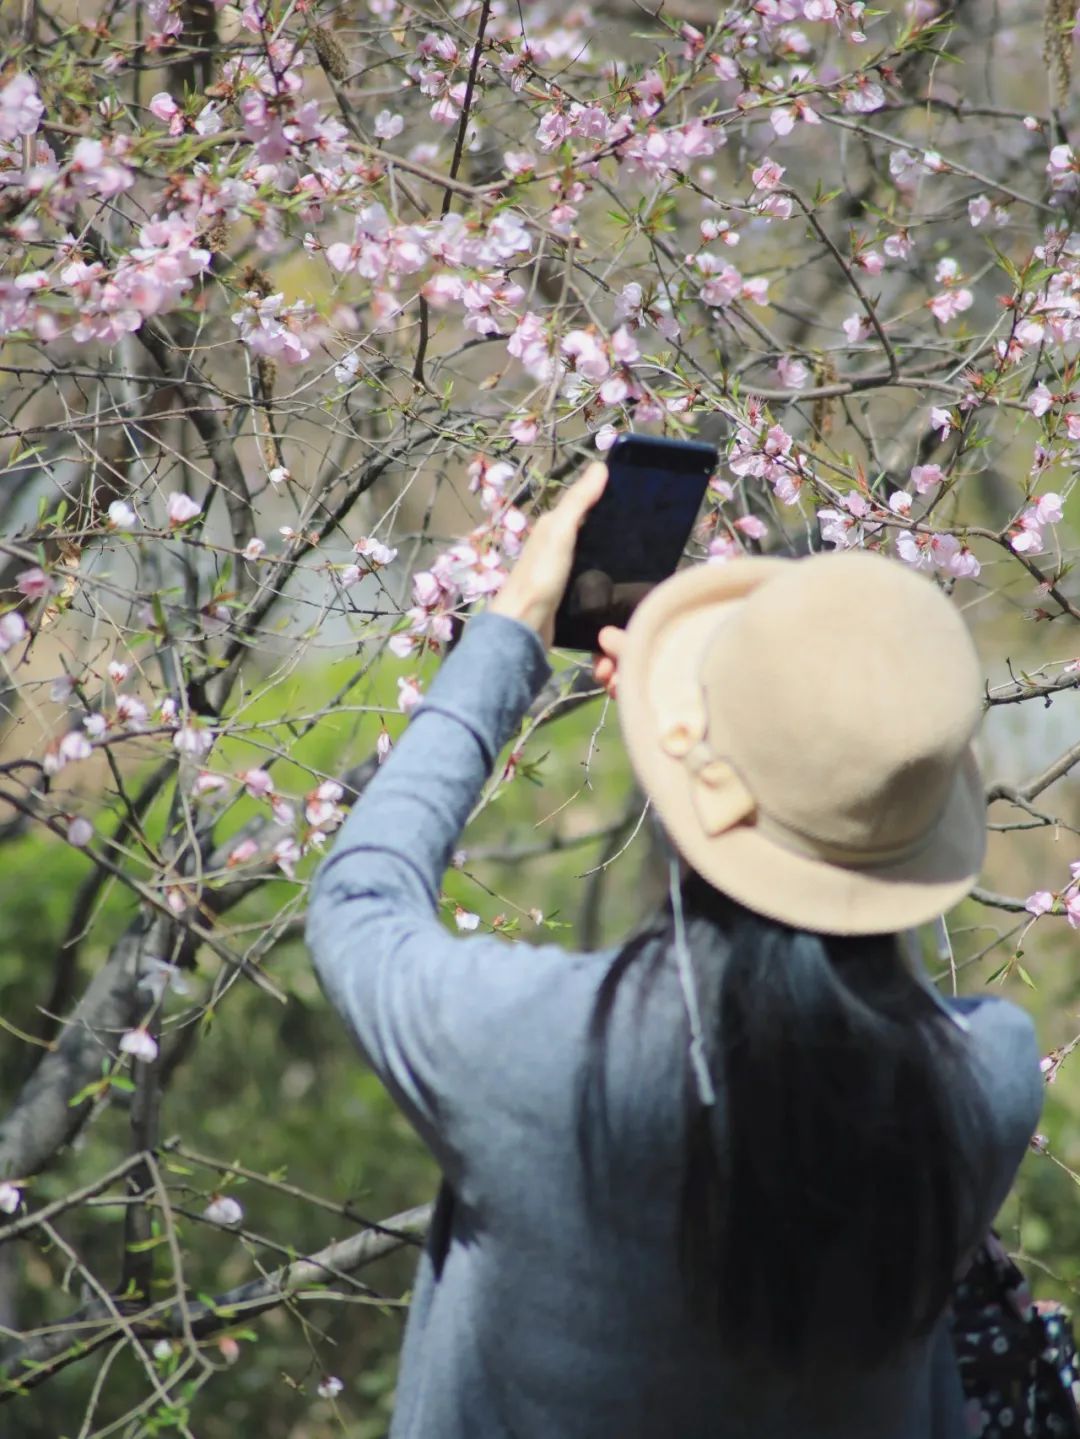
(634, 535)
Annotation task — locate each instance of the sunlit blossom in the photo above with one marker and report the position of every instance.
(140, 1044)
(224, 1209)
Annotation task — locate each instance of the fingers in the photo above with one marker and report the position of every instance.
(579, 499)
(612, 641)
(604, 674)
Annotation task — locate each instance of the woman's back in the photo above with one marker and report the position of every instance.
(553, 1315)
(551, 1303)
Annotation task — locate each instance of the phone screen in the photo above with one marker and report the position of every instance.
(635, 534)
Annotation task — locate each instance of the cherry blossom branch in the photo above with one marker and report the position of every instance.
(1032, 788)
(853, 281)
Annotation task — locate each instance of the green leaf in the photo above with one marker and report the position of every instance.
(143, 1246)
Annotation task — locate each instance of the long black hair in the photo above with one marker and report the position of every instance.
(826, 1203)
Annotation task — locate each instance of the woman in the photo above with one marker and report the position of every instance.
(714, 1184)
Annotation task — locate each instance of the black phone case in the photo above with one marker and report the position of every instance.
(634, 536)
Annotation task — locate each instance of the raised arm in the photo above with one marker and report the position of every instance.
(418, 1000)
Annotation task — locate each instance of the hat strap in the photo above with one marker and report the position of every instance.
(685, 966)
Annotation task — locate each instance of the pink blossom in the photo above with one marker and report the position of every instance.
(375, 552)
(588, 354)
(383, 745)
(271, 328)
(1040, 400)
(756, 290)
(426, 588)
(605, 437)
(117, 671)
(724, 547)
(767, 175)
(181, 508)
(1027, 538)
(286, 855)
(409, 693)
(866, 96)
(140, 1044)
(10, 1197)
(856, 327)
(329, 1387)
(925, 477)
(194, 738)
(73, 747)
(388, 124)
(898, 246)
(242, 853)
(164, 108)
(1041, 902)
(223, 1209)
(530, 344)
(782, 119)
(130, 712)
(445, 110)
(1072, 908)
(258, 782)
(79, 832)
(1061, 159)
(524, 429)
(208, 121)
(322, 808)
(1048, 509)
(34, 583)
(979, 209)
(254, 549)
(20, 107)
(98, 169)
(12, 630)
(283, 810)
(465, 919)
(519, 162)
(723, 282)
(900, 502)
(941, 420)
(948, 304)
(942, 552)
(752, 527)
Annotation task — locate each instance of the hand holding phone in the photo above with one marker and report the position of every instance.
(634, 535)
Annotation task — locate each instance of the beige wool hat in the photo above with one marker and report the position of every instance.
(803, 729)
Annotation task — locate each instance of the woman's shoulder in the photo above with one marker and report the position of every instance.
(992, 1020)
(1006, 1050)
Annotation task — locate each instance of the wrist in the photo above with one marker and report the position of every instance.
(530, 613)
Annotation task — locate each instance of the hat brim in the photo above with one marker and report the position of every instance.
(676, 621)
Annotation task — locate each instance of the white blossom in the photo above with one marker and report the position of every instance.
(223, 1209)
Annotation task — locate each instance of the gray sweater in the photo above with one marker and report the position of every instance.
(531, 1319)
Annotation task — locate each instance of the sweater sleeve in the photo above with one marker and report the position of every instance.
(428, 1008)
